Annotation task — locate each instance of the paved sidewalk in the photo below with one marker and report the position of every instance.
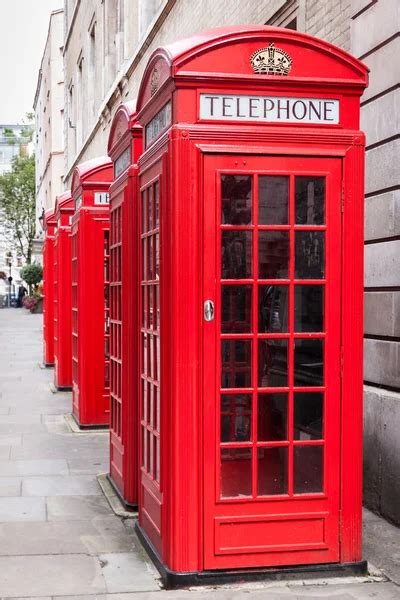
(58, 536)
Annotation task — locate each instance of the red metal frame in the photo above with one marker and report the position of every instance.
(64, 209)
(89, 246)
(48, 288)
(124, 148)
(184, 523)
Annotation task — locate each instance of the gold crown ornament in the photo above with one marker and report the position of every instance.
(271, 61)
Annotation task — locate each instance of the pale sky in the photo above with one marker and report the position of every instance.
(24, 25)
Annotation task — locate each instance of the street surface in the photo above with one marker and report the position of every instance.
(58, 535)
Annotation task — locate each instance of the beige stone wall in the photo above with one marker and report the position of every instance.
(49, 114)
(152, 23)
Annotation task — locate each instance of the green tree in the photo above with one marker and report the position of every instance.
(32, 274)
(17, 202)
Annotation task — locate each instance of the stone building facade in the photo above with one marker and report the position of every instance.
(375, 38)
(108, 43)
(49, 116)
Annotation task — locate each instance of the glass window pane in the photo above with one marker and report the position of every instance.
(236, 308)
(308, 308)
(273, 308)
(150, 207)
(308, 416)
(308, 469)
(236, 199)
(144, 259)
(310, 200)
(156, 205)
(157, 256)
(144, 306)
(235, 418)
(272, 471)
(272, 417)
(272, 363)
(235, 472)
(144, 212)
(273, 254)
(236, 363)
(308, 362)
(273, 200)
(309, 255)
(236, 254)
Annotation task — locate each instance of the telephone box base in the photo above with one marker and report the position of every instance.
(90, 427)
(173, 579)
(128, 506)
(63, 388)
(44, 365)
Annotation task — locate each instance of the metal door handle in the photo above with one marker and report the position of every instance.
(208, 310)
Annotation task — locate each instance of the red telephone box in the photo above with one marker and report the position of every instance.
(64, 209)
(90, 319)
(48, 288)
(124, 148)
(251, 311)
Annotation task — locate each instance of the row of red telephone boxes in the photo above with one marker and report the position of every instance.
(90, 298)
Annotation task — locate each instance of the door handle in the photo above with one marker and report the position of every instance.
(208, 310)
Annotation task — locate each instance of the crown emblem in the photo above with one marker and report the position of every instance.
(271, 61)
(154, 81)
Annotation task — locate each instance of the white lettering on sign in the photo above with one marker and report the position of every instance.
(274, 109)
(158, 124)
(101, 198)
(78, 202)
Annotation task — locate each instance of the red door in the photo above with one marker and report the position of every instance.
(272, 276)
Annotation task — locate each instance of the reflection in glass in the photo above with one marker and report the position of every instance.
(273, 308)
(236, 254)
(308, 469)
(236, 198)
(308, 416)
(235, 472)
(273, 254)
(309, 255)
(144, 258)
(272, 363)
(308, 362)
(310, 200)
(236, 363)
(272, 471)
(308, 308)
(272, 417)
(273, 200)
(236, 308)
(235, 418)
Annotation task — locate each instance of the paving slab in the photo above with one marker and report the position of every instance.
(124, 572)
(72, 485)
(65, 537)
(22, 509)
(33, 467)
(72, 508)
(10, 486)
(45, 575)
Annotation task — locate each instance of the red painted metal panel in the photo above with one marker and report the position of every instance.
(125, 145)
(89, 239)
(48, 288)
(195, 520)
(64, 210)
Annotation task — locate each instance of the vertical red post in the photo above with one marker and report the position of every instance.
(64, 210)
(48, 288)
(89, 251)
(251, 306)
(124, 148)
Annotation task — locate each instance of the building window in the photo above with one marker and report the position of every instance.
(286, 16)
